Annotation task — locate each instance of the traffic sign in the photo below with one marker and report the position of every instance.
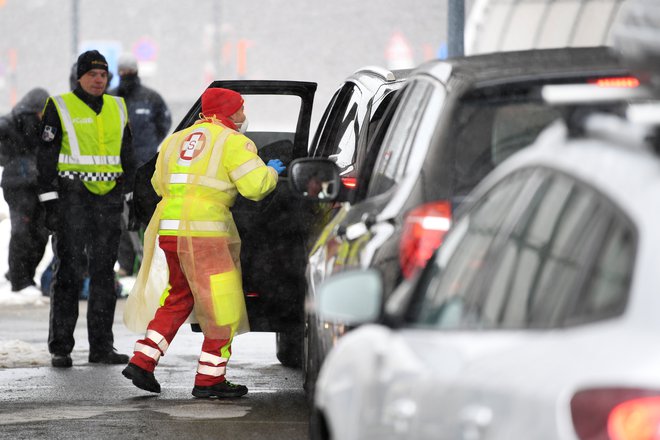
(145, 49)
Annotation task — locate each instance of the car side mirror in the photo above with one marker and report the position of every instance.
(353, 297)
(315, 179)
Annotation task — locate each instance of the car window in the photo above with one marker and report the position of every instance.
(530, 256)
(605, 293)
(367, 156)
(399, 137)
(446, 285)
(314, 148)
(486, 133)
(543, 256)
(339, 137)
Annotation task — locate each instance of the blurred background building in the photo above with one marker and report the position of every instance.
(183, 45)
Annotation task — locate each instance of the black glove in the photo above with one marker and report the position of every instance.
(52, 208)
(131, 221)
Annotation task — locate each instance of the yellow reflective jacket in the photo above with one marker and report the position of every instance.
(91, 143)
(199, 172)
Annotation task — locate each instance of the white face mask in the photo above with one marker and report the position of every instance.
(242, 126)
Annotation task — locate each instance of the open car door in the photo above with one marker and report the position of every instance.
(275, 231)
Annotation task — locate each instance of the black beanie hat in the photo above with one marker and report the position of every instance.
(92, 59)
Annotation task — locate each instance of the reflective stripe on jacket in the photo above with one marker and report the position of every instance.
(91, 143)
(200, 171)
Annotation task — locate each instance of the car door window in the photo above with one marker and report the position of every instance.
(605, 293)
(315, 149)
(530, 256)
(367, 156)
(537, 276)
(446, 285)
(338, 140)
(399, 138)
(538, 257)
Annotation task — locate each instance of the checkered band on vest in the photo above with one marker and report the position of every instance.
(90, 177)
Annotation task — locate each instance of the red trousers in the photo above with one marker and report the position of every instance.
(168, 318)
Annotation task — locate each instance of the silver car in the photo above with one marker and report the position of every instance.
(536, 319)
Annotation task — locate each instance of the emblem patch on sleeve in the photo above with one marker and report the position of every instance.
(251, 147)
(49, 133)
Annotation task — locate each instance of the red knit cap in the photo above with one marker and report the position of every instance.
(221, 102)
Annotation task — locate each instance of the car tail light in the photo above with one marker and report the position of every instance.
(616, 414)
(624, 81)
(423, 231)
(349, 182)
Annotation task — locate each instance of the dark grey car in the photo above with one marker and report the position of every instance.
(454, 121)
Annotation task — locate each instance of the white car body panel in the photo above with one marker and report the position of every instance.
(510, 384)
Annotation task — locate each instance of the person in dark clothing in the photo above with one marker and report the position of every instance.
(47, 275)
(83, 173)
(150, 122)
(19, 140)
(149, 115)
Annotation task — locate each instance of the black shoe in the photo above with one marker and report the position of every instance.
(222, 389)
(61, 360)
(111, 357)
(141, 378)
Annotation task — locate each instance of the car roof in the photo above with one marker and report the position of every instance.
(382, 73)
(529, 65)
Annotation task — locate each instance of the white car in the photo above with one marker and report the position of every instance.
(538, 318)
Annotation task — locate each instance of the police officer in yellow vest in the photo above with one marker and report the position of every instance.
(85, 166)
(199, 172)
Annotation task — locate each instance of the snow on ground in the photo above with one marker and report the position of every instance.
(15, 353)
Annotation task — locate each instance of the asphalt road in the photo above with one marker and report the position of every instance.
(90, 401)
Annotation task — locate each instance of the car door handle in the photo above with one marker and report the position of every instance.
(474, 420)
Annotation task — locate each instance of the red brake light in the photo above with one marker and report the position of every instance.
(349, 182)
(637, 419)
(625, 82)
(423, 231)
(616, 414)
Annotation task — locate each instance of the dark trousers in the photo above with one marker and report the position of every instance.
(92, 222)
(29, 235)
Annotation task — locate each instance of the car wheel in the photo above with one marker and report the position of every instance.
(289, 347)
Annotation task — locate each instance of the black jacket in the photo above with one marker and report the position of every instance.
(150, 118)
(19, 141)
(49, 151)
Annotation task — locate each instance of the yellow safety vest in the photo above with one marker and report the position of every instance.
(91, 143)
(199, 172)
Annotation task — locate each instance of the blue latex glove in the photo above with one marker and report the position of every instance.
(277, 164)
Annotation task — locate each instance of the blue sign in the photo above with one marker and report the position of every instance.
(145, 49)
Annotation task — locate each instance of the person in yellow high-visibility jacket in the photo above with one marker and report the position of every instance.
(85, 170)
(199, 172)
